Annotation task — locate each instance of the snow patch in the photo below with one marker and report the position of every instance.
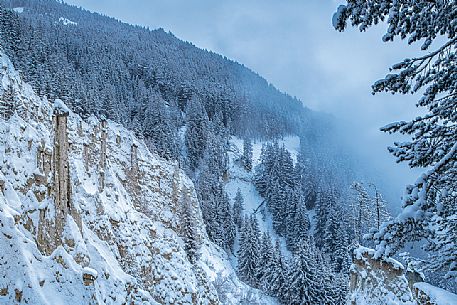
(18, 10)
(66, 21)
(60, 107)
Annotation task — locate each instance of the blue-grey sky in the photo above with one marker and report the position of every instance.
(293, 45)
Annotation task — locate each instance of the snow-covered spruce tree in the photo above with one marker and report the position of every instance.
(238, 209)
(189, 231)
(216, 211)
(325, 202)
(247, 154)
(273, 272)
(249, 252)
(265, 259)
(433, 144)
(277, 203)
(306, 172)
(277, 181)
(297, 220)
(263, 170)
(380, 213)
(302, 278)
(215, 204)
(196, 132)
(158, 131)
(336, 244)
(325, 278)
(9, 23)
(7, 103)
(228, 225)
(278, 278)
(361, 206)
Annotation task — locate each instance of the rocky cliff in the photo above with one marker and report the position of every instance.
(88, 215)
(381, 281)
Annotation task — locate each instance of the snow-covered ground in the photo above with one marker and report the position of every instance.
(379, 281)
(18, 10)
(66, 21)
(120, 240)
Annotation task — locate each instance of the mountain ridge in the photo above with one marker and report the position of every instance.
(156, 63)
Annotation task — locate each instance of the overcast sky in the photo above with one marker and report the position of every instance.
(293, 45)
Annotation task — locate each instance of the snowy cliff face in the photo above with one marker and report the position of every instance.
(89, 216)
(377, 281)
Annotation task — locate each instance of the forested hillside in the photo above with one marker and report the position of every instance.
(128, 73)
(278, 197)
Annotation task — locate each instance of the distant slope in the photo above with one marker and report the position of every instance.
(99, 65)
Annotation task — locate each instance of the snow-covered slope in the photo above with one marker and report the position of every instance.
(88, 215)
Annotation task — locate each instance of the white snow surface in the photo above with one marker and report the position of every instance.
(66, 21)
(18, 10)
(361, 250)
(379, 281)
(126, 235)
(437, 295)
(60, 107)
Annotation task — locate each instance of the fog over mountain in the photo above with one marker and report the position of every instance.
(294, 46)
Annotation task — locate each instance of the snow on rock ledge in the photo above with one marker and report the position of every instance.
(377, 281)
(428, 294)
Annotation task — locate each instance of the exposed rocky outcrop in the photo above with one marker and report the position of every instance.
(88, 215)
(102, 165)
(61, 175)
(385, 281)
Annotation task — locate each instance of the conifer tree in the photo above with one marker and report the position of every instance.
(380, 213)
(332, 239)
(216, 209)
(8, 103)
(196, 132)
(307, 176)
(158, 130)
(188, 227)
(303, 278)
(238, 209)
(433, 143)
(361, 211)
(228, 232)
(328, 289)
(277, 279)
(324, 203)
(266, 257)
(249, 252)
(247, 154)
